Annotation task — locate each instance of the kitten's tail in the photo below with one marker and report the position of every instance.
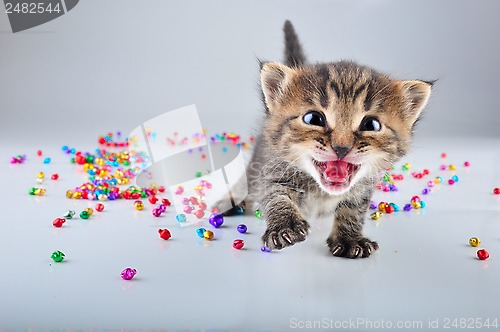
(294, 56)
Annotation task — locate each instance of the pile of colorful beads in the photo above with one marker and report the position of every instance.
(233, 139)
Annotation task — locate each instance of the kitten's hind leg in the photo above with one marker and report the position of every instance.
(346, 238)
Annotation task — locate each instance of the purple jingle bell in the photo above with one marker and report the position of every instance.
(128, 273)
(242, 228)
(156, 212)
(216, 220)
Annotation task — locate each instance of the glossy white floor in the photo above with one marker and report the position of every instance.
(425, 274)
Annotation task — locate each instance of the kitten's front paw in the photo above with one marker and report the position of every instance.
(351, 248)
(279, 235)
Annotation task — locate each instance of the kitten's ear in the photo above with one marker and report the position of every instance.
(273, 79)
(416, 94)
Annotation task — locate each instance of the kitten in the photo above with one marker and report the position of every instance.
(330, 129)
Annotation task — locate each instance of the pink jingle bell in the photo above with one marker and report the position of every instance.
(128, 273)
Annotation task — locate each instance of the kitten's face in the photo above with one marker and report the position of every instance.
(340, 122)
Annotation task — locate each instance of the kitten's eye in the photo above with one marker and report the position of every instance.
(314, 118)
(370, 124)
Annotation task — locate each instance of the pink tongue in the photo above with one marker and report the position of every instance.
(336, 171)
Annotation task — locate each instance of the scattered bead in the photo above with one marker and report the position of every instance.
(37, 191)
(452, 167)
(200, 232)
(454, 178)
(46, 161)
(422, 204)
(198, 174)
(39, 153)
(84, 215)
(395, 207)
(90, 211)
(58, 222)
(451, 181)
(156, 212)
(482, 254)
(442, 167)
(265, 249)
(430, 184)
(408, 207)
(216, 220)
(466, 164)
(415, 199)
(139, 205)
(238, 244)
(57, 256)
(162, 208)
(199, 214)
(389, 209)
(69, 214)
(373, 205)
(166, 202)
(19, 159)
(128, 273)
(443, 155)
(99, 207)
(258, 214)
(426, 191)
(242, 228)
(474, 241)
(40, 175)
(376, 215)
(188, 209)
(381, 206)
(152, 199)
(438, 180)
(209, 235)
(179, 190)
(496, 191)
(164, 234)
(181, 217)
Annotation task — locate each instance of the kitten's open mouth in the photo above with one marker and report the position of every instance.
(336, 174)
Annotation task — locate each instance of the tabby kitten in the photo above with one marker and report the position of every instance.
(329, 132)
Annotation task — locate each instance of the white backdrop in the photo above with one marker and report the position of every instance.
(110, 65)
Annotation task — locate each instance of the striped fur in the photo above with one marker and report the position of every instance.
(281, 174)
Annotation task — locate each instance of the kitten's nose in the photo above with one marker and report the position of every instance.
(341, 151)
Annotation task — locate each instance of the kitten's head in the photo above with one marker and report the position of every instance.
(339, 122)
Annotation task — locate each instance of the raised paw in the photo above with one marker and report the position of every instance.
(351, 248)
(279, 235)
